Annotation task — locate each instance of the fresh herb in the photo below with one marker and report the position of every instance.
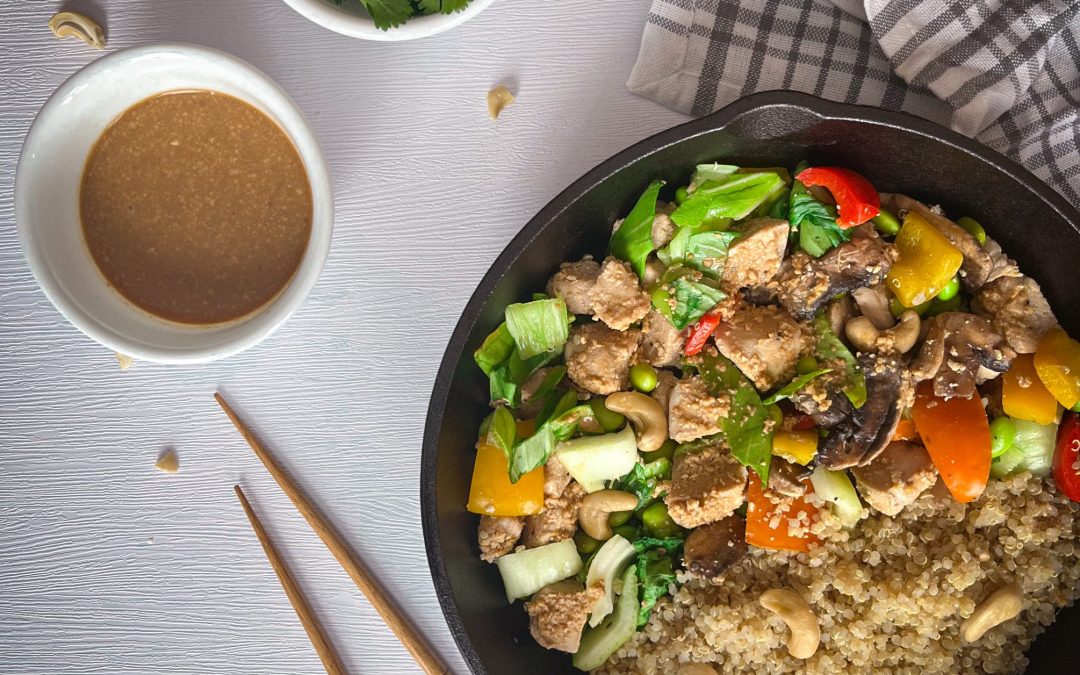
(633, 242)
(656, 572)
(534, 451)
(831, 349)
(538, 327)
(642, 479)
(669, 544)
(732, 196)
(387, 14)
(789, 389)
(816, 223)
(744, 425)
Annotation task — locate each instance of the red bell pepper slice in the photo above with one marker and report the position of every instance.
(700, 332)
(857, 200)
(1067, 457)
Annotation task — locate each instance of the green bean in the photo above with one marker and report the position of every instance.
(886, 223)
(806, 364)
(973, 227)
(681, 194)
(950, 290)
(1002, 436)
(643, 377)
(657, 521)
(609, 419)
(586, 545)
(619, 518)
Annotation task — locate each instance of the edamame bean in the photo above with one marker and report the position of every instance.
(666, 451)
(806, 364)
(896, 308)
(941, 306)
(630, 532)
(950, 290)
(618, 518)
(681, 194)
(1002, 436)
(609, 419)
(586, 545)
(643, 377)
(973, 227)
(657, 522)
(886, 223)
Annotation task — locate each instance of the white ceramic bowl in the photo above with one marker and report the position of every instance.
(47, 195)
(350, 19)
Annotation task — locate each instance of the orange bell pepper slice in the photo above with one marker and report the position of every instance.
(905, 431)
(761, 512)
(956, 434)
(492, 494)
(1057, 360)
(927, 262)
(1023, 395)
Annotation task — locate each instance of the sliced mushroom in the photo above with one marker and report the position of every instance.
(839, 312)
(805, 284)
(857, 438)
(956, 345)
(977, 264)
(899, 339)
(873, 302)
(787, 479)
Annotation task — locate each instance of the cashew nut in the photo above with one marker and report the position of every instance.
(497, 99)
(899, 339)
(595, 507)
(71, 24)
(795, 612)
(1001, 605)
(645, 413)
(696, 669)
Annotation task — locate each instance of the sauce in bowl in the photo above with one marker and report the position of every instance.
(196, 207)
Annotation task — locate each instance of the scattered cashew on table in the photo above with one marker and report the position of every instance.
(801, 621)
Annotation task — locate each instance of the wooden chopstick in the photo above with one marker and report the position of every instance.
(303, 610)
(424, 656)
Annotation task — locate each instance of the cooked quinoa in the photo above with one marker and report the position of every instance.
(890, 595)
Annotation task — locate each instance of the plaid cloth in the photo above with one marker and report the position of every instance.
(1006, 72)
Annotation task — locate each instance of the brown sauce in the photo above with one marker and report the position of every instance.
(196, 207)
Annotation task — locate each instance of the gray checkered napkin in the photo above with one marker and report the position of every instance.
(1004, 72)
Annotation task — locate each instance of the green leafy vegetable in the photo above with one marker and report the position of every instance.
(551, 380)
(744, 425)
(831, 349)
(707, 172)
(633, 242)
(538, 327)
(534, 451)
(502, 388)
(387, 14)
(669, 544)
(705, 252)
(692, 300)
(656, 572)
(495, 349)
(441, 6)
(789, 389)
(816, 222)
(732, 196)
(502, 430)
(1032, 450)
(641, 481)
(522, 369)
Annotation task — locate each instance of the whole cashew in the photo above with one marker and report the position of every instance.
(595, 507)
(900, 338)
(696, 669)
(71, 24)
(795, 612)
(1000, 606)
(645, 413)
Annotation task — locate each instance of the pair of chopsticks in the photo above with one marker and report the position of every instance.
(418, 648)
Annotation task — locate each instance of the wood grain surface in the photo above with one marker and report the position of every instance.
(107, 565)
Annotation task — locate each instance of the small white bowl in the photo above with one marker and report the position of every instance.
(47, 199)
(350, 19)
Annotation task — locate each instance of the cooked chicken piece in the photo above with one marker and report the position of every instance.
(663, 229)
(862, 433)
(896, 478)
(787, 479)
(1017, 309)
(498, 535)
(654, 269)
(693, 412)
(616, 297)
(558, 520)
(665, 384)
(975, 269)
(711, 549)
(955, 346)
(706, 485)
(558, 611)
(574, 282)
(764, 343)
(755, 257)
(661, 343)
(805, 284)
(598, 359)
(556, 477)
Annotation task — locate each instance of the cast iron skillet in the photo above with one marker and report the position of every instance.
(897, 152)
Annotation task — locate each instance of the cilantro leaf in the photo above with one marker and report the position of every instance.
(387, 13)
(656, 571)
(441, 6)
(633, 242)
(641, 481)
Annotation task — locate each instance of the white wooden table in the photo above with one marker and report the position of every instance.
(107, 565)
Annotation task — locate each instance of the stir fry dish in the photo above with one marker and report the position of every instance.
(786, 424)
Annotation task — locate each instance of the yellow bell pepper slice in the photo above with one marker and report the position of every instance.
(797, 446)
(1023, 395)
(926, 264)
(492, 494)
(1057, 361)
